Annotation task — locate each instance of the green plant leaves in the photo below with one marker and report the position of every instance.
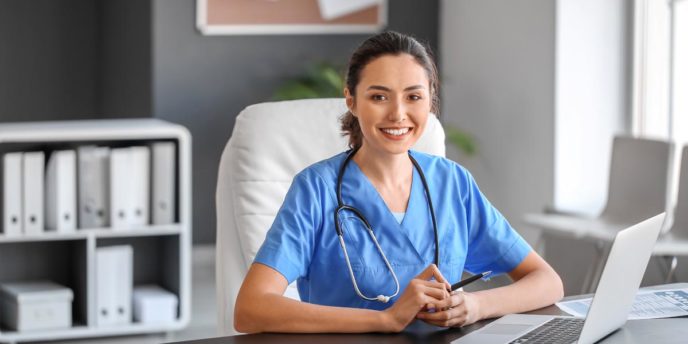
(321, 81)
(460, 139)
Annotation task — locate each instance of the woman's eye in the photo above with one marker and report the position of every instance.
(415, 97)
(379, 97)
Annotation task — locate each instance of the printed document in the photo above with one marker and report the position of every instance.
(649, 304)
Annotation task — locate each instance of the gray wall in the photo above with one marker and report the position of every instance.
(49, 60)
(76, 59)
(203, 82)
(498, 84)
(125, 58)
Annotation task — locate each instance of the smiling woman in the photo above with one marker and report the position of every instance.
(359, 232)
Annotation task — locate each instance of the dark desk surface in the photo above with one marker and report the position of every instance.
(674, 330)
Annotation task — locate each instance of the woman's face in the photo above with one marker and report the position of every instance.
(392, 103)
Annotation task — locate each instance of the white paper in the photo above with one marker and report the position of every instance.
(648, 304)
(333, 9)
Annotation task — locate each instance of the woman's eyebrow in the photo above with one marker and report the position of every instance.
(383, 88)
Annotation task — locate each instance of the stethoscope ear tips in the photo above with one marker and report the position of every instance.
(383, 299)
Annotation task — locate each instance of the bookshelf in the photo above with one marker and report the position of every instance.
(162, 253)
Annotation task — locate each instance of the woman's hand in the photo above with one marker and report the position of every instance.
(458, 310)
(421, 293)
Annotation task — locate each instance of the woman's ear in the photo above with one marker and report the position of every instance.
(349, 101)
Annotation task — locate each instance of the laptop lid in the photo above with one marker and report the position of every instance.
(621, 279)
(613, 299)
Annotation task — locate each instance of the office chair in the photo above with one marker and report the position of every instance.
(271, 142)
(674, 243)
(637, 190)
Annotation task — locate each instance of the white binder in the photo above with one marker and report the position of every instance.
(33, 189)
(60, 196)
(139, 186)
(94, 183)
(114, 285)
(120, 186)
(12, 202)
(164, 206)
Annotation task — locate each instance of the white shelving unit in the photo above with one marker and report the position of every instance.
(162, 253)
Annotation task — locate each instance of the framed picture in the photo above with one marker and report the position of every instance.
(258, 17)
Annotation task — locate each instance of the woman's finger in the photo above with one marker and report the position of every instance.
(450, 317)
(433, 272)
(454, 300)
(437, 291)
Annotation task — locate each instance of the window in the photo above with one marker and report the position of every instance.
(660, 87)
(660, 69)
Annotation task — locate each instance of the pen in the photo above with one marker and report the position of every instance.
(469, 280)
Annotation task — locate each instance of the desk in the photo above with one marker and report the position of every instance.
(656, 331)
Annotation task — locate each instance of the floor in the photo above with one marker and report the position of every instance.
(203, 313)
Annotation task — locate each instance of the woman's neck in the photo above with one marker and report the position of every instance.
(386, 171)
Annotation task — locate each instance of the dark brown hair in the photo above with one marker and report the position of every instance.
(386, 43)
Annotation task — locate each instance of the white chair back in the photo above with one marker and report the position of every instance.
(271, 142)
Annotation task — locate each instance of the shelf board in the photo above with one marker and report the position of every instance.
(86, 130)
(82, 234)
(48, 236)
(153, 230)
(82, 331)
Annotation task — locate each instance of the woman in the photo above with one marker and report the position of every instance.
(430, 221)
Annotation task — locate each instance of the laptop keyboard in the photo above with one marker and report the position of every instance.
(555, 331)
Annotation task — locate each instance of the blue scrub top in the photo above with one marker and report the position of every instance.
(303, 245)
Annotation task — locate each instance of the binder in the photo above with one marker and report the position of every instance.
(33, 190)
(12, 202)
(60, 196)
(93, 186)
(130, 185)
(139, 186)
(164, 174)
(114, 285)
(120, 186)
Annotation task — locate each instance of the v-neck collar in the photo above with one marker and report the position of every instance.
(413, 226)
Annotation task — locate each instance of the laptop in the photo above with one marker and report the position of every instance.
(610, 305)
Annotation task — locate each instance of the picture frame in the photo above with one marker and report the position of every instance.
(281, 17)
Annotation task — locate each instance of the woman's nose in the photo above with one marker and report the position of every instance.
(397, 112)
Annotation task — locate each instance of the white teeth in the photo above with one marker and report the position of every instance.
(396, 132)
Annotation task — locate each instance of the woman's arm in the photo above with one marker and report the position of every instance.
(535, 285)
(261, 307)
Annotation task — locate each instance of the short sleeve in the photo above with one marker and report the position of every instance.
(289, 243)
(493, 245)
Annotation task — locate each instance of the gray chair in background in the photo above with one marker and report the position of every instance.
(674, 243)
(637, 190)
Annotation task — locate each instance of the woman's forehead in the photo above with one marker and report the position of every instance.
(394, 72)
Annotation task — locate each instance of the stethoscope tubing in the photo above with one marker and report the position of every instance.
(341, 206)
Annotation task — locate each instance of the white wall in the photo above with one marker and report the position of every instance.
(497, 67)
(592, 98)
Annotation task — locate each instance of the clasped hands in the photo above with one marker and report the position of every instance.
(427, 297)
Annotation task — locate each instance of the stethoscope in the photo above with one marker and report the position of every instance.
(341, 206)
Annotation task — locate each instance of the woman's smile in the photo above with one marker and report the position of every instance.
(396, 133)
